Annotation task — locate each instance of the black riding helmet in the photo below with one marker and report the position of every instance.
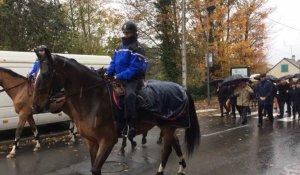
(41, 47)
(129, 26)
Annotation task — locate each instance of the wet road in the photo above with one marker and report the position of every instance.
(226, 148)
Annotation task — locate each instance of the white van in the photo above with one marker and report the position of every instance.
(22, 62)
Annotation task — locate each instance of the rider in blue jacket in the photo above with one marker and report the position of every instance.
(129, 65)
(35, 68)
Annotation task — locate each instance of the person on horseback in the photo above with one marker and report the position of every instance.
(35, 68)
(129, 65)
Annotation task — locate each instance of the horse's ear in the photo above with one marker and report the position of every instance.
(48, 54)
(37, 54)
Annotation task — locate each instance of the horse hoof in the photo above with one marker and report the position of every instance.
(10, 156)
(160, 173)
(181, 173)
(36, 149)
(144, 141)
(71, 142)
(95, 172)
(134, 144)
(122, 152)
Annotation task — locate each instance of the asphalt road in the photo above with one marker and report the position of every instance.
(227, 148)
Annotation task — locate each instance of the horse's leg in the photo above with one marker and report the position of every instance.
(93, 148)
(168, 136)
(159, 141)
(73, 132)
(124, 144)
(106, 145)
(177, 148)
(144, 139)
(35, 132)
(20, 126)
(133, 143)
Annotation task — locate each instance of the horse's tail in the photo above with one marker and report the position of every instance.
(192, 134)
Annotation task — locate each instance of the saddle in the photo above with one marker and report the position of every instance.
(56, 102)
(117, 87)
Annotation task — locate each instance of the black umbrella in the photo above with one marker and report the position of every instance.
(286, 77)
(234, 79)
(297, 75)
(257, 77)
(268, 77)
(272, 78)
(216, 81)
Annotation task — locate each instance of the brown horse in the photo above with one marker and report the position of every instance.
(19, 90)
(89, 102)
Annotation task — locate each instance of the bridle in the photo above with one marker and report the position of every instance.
(53, 73)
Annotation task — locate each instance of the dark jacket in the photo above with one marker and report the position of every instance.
(223, 93)
(294, 95)
(265, 89)
(129, 60)
(283, 92)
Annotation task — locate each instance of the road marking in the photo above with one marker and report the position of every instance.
(227, 130)
(205, 110)
(286, 119)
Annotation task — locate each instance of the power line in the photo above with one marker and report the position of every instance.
(283, 24)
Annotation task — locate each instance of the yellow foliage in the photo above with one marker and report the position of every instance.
(239, 33)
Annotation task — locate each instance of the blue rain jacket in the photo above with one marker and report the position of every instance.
(126, 64)
(35, 68)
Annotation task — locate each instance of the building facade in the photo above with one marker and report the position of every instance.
(285, 67)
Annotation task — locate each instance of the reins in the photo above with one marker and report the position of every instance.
(8, 89)
(89, 88)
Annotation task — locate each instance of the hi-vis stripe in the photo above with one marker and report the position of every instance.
(127, 50)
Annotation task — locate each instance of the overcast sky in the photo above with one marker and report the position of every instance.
(283, 41)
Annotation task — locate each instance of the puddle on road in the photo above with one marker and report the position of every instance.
(114, 167)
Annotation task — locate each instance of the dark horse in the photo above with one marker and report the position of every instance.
(89, 103)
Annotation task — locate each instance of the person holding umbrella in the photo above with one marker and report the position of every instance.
(294, 94)
(223, 95)
(243, 93)
(283, 97)
(264, 92)
(232, 81)
(233, 100)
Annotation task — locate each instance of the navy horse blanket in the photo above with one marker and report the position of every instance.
(167, 101)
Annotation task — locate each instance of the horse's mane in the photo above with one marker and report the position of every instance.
(81, 68)
(12, 73)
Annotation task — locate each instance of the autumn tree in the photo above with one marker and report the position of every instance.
(239, 33)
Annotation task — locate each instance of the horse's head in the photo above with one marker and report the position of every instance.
(44, 81)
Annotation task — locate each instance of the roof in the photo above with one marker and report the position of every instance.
(294, 62)
(30, 57)
(290, 60)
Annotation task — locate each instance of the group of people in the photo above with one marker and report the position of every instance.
(267, 94)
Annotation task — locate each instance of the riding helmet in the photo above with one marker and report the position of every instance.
(42, 47)
(129, 26)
